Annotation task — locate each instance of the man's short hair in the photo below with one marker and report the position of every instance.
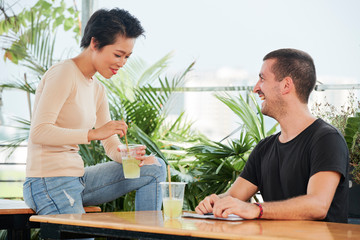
(295, 64)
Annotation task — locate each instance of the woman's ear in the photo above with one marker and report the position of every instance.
(94, 44)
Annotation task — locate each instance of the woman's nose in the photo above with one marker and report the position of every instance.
(121, 62)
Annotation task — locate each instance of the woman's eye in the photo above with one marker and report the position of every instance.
(118, 56)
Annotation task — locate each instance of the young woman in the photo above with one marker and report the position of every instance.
(71, 108)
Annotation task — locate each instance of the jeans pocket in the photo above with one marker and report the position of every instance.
(28, 197)
(81, 180)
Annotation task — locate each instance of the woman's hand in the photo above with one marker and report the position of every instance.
(148, 160)
(144, 160)
(140, 151)
(109, 129)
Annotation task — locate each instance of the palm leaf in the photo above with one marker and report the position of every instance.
(19, 84)
(178, 130)
(153, 72)
(34, 48)
(132, 76)
(144, 139)
(23, 127)
(254, 121)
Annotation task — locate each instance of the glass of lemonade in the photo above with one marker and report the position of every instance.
(173, 204)
(130, 164)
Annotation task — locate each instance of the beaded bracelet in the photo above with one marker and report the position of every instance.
(261, 210)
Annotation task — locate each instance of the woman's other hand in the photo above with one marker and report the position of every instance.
(148, 160)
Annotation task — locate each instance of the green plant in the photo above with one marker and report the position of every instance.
(347, 121)
(3, 234)
(253, 120)
(29, 40)
(218, 165)
(22, 32)
(133, 99)
(352, 137)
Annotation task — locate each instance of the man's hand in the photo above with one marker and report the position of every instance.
(206, 205)
(230, 205)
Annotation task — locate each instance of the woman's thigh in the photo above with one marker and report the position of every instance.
(54, 195)
(106, 182)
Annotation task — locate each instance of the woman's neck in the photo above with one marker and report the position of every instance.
(84, 63)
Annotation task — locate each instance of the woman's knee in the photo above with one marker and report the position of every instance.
(162, 168)
(156, 170)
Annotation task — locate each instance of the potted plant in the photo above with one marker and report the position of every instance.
(352, 137)
(218, 164)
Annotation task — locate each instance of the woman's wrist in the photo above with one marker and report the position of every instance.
(90, 135)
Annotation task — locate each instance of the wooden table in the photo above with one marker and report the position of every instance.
(14, 216)
(151, 224)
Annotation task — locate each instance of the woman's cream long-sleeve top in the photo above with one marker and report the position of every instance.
(66, 107)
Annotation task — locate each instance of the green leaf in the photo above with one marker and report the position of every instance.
(352, 129)
(71, 10)
(68, 24)
(45, 4)
(59, 20)
(2, 27)
(143, 138)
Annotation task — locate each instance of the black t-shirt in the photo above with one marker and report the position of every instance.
(282, 170)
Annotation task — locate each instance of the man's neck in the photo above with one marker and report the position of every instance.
(294, 122)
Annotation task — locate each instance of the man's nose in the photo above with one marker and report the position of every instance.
(256, 88)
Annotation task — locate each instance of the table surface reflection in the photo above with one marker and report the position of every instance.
(153, 222)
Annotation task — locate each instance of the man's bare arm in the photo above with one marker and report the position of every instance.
(241, 189)
(312, 206)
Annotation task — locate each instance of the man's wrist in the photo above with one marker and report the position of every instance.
(261, 210)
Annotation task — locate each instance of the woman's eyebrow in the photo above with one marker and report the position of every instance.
(123, 52)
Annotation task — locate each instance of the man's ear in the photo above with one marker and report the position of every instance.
(288, 85)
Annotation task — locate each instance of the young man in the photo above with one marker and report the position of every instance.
(302, 171)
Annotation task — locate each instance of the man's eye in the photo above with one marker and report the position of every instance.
(118, 56)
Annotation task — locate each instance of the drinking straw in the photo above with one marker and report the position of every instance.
(169, 177)
(127, 145)
(126, 141)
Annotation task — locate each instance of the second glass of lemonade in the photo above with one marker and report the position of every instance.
(173, 203)
(130, 164)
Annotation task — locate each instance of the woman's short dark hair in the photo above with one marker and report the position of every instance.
(295, 64)
(105, 25)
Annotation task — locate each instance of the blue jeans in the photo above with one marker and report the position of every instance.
(101, 183)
